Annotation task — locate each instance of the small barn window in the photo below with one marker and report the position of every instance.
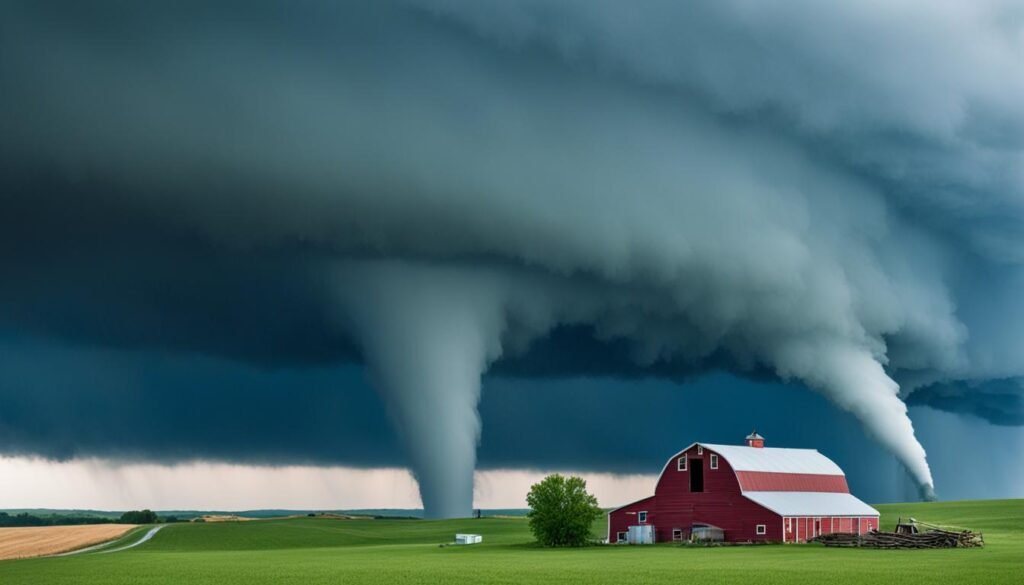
(677, 534)
(700, 450)
(641, 517)
(788, 525)
(761, 529)
(681, 463)
(714, 461)
(621, 537)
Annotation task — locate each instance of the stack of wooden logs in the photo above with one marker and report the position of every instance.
(935, 538)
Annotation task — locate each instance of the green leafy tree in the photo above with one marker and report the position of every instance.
(138, 517)
(561, 511)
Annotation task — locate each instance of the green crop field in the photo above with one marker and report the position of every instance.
(306, 551)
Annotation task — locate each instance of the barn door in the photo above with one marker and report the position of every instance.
(696, 475)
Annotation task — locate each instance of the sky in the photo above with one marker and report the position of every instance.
(324, 247)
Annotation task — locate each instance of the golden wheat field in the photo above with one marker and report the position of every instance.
(35, 541)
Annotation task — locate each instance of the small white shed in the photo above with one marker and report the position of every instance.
(468, 539)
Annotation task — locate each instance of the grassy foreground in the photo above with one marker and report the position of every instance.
(307, 551)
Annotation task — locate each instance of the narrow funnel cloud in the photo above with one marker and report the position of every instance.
(427, 335)
(856, 382)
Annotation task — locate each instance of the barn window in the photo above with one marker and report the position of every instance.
(621, 537)
(641, 517)
(788, 529)
(681, 463)
(700, 450)
(677, 534)
(714, 461)
(761, 529)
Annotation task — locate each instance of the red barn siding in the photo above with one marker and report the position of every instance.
(721, 503)
(620, 520)
(760, 481)
(811, 526)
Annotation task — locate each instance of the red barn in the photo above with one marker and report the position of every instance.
(747, 492)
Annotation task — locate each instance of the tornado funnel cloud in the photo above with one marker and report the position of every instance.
(432, 387)
(856, 382)
(427, 335)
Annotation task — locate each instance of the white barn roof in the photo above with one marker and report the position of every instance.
(811, 503)
(774, 460)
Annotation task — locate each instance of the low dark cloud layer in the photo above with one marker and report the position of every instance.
(827, 197)
(65, 403)
(1000, 402)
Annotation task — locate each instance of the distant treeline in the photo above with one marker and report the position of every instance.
(26, 519)
(132, 517)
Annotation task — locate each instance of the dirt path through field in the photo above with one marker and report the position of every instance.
(35, 541)
(152, 532)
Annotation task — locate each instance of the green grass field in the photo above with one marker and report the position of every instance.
(307, 551)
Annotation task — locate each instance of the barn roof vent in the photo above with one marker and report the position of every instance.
(755, 440)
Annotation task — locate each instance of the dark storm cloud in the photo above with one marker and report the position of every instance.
(80, 265)
(1000, 402)
(442, 189)
(64, 403)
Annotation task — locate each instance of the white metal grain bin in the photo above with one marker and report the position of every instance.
(642, 534)
(468, 539)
